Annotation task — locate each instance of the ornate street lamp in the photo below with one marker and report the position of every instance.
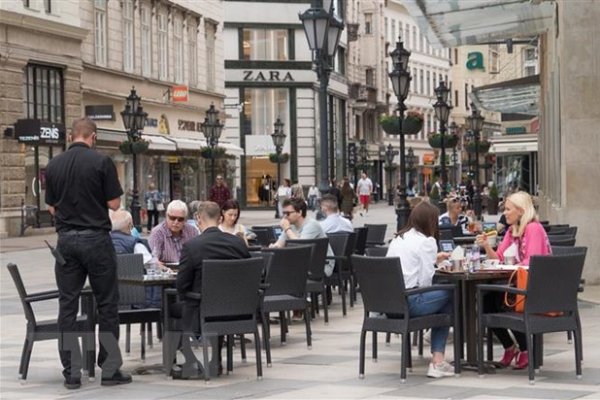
(323, 30)
(401, 78)
(390, 153)
(134, 119)
(475, 121)
(453, 129)
(278, 140)
(442, 111)
(211, 128)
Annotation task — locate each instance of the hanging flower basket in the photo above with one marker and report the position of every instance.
(207, 152)
(411, 124)
(138, 147)
(484, 147)
(283, 158)
(435, 140)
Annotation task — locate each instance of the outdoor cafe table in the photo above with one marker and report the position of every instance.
(468, 285)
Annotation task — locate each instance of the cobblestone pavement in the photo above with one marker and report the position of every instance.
(328, 370)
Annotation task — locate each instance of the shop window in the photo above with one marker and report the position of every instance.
(262, 107)
(265, 44)
(44, 93)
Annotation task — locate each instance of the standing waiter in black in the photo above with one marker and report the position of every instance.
(81, 185)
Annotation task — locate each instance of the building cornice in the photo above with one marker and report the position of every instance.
(34, 23)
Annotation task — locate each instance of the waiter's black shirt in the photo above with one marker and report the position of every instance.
(79, 182)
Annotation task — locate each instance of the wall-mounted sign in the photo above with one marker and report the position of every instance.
(268, 76)
(100, 113)
(153, 122)
(192, 126)
(34, 131)
(428, 158)
(180, 94)
(516, 130)
(475, 60)
(351, 155)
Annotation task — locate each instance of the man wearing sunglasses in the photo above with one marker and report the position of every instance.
(296, 225)
(168, 237)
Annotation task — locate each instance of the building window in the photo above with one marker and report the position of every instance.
(455, 56)
(368, 23)
(414, 81)
(407, 36)
(262, 107)
(48, 6)
(428, 80)
(467, 96)
(211, 32)
(146, 40)
(530, 54)
(340, 61)
(421, 78)
(266, 44)
(43, 93)
(369, 77)
(128, 35)
(100, 31)
(26, 3)
(415, 41)
(385, 28)
(178, 49)
(530, 70)
(162, 46)
(393, 37)
(193, 53)
(456, 97)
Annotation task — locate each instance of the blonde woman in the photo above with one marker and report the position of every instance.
(530, 238)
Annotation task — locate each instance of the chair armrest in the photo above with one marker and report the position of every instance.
(193, 296)
(50, 294)
(500, 288)
(446, 286)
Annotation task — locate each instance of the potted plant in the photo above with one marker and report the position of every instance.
(493, 200)
(208, 152)
(137, 147)
(411, 124)
(435, 140)
(484, 146)
(283, 158)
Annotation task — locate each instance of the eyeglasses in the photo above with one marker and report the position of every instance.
(287, 213)
(178, 219)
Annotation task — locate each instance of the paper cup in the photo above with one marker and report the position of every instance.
(509, 260)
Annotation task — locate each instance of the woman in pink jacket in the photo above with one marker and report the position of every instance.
(530, 239)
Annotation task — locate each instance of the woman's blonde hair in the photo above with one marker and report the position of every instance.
(523, 201)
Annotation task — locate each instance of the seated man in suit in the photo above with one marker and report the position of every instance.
(212, 244)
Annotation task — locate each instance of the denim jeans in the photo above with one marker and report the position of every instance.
(435, 302)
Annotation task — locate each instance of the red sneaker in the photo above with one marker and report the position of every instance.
(522, 360)
(509, 355)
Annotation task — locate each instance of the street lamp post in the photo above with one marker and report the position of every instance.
(475, 121)
(211, 128)
(442, 111)
(389, 158)
(453, 128)
(323, 30)
(278, 140)
(401, 78)
(134, 119)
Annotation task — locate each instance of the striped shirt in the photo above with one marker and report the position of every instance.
(166, 247)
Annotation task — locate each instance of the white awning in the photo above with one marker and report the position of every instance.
(111, 135)
(452, 23)
(231, 148)
(520, 96)
(187, 143)
(514, 144)
(159, 143)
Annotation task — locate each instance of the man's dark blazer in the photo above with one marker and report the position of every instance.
(212, 244)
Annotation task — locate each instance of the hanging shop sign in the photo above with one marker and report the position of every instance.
(35, 131)
(351, 155)
(100, 112)
(180, 94)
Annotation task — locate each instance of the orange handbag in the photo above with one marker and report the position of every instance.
(520, 276)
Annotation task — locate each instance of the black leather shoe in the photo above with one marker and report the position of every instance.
(72, 383)
(118, 378)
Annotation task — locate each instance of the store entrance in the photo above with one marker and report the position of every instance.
(261, 176)
(36, 160)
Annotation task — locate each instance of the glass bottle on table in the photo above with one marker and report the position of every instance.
(475, 261)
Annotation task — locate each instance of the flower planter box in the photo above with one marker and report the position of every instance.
(484, 147)
(410, 126)
(283, 158)
(435, 141)
(137, 147)
(207, 152)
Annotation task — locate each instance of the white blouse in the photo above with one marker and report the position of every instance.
(418, 254)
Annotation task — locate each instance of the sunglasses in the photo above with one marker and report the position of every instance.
(178, 219)
(287, 213)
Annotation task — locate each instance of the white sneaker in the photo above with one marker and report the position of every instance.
(440, 370)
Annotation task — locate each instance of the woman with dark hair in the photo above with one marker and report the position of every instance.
(416, 246)
(230, 214)
(348, 199)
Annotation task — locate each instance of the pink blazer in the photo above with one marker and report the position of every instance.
(534, 242)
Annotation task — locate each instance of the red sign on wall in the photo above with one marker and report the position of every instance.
(180, 94)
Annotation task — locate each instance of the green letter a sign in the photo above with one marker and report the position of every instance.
(475, 60)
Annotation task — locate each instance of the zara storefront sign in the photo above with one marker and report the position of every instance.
(34, 131)
(268, 76)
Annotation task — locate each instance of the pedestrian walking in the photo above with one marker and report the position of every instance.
(81, 185)
(154, 205)
(219, 193)
(364, 188)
